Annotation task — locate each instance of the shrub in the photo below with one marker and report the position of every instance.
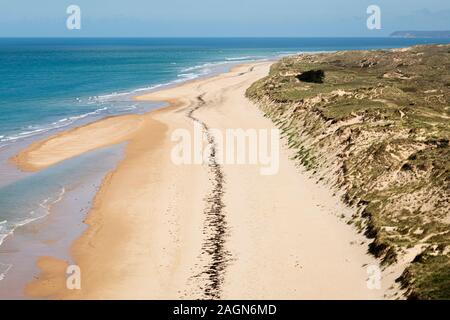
(315, 76)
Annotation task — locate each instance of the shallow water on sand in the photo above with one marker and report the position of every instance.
(44, 212)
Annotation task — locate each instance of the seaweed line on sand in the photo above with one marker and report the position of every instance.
(215, 226)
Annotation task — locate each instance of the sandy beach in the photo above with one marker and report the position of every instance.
(158, 230)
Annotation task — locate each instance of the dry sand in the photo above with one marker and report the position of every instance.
(161, 231)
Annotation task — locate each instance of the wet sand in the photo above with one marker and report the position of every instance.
(53, 233)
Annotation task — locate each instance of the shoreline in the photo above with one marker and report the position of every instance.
(14, 163)
(14, 160)
(52, 233)
(20, 159)
(120, 127)
(173, 250)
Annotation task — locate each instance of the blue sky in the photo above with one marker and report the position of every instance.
(223, 18)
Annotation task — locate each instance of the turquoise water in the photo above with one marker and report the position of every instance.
(51, 84)
(65, 189)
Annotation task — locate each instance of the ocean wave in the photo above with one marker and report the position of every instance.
(4, 268)
(188, 76)
(185, 74)
(127, 108)
(44, 207)
(111, 97)
(204, 66)
(108, 97)
(288, 52)
(181, 77)
(148, 88)
(244, 58)
(3, 234)
(40, 129)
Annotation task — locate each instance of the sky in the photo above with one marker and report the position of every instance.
(219, 18)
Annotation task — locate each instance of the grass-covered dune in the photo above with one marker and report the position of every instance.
(376, 125)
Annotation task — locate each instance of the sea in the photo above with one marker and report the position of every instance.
(52, 84)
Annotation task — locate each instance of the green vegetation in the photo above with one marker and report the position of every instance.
(377, 126)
